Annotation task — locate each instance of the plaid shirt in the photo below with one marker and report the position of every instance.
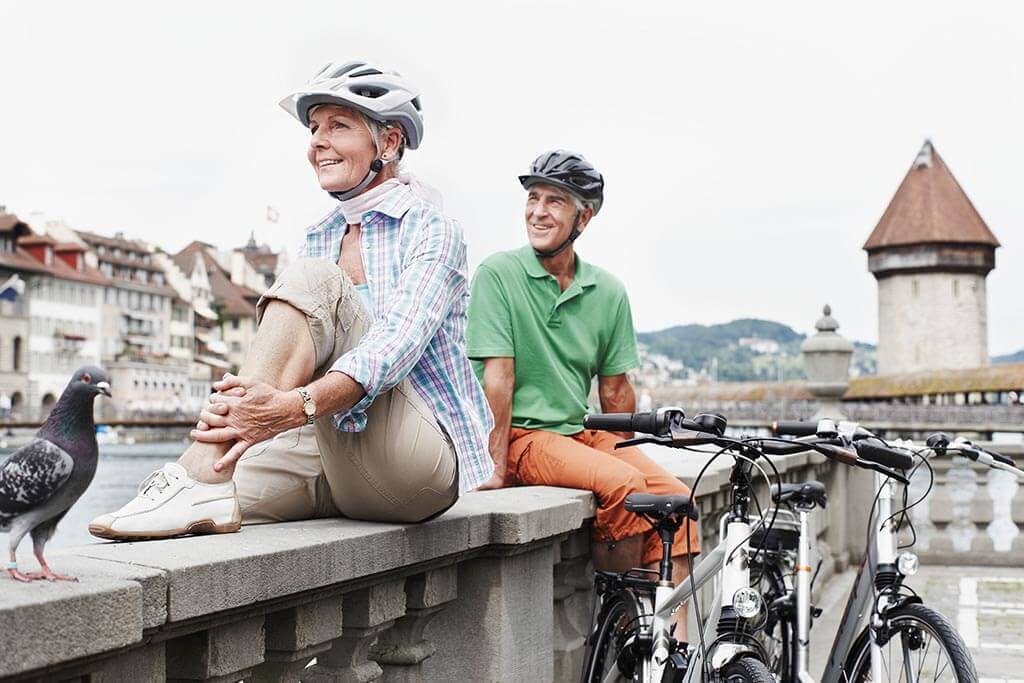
(415, 264)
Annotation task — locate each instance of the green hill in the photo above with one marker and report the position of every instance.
(746, 350)
(1017, 357)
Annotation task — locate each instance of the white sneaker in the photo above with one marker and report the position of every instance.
(171, 503)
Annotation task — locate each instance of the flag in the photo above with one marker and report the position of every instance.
(272, 214)
(11, 289)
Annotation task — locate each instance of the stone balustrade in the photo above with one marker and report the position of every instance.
(973, 514)
(496, 589)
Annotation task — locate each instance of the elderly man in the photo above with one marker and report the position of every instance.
(544, 323)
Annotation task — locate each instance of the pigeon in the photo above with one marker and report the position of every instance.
(43, 479)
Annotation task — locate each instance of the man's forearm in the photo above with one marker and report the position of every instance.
(617, 396)
(499, 385)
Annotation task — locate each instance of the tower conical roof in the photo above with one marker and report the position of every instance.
(929, 206)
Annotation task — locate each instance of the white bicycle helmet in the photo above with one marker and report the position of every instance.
(378, 92)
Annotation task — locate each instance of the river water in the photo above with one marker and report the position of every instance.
(120, 470)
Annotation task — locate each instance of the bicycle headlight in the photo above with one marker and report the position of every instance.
(746, 602)
(907, 563)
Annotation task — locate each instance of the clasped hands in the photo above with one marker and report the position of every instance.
(246, 411)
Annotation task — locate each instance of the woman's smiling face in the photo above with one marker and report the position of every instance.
(341, 147)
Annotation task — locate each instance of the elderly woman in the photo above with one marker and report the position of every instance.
(356, 398)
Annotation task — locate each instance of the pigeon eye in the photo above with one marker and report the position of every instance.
(86, 378)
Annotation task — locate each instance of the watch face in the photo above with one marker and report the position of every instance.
(309, 408)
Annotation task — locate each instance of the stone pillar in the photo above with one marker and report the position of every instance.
(367, 613)
(144, 664)
(500, 628)
(573, 594)
(401, 650)
(295, 636)
(224, 654)
(827, 365)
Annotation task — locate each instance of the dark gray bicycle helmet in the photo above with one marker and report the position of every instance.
(574, 174)
(569, 171)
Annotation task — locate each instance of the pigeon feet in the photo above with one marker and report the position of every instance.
(50, 575)
(18, 576)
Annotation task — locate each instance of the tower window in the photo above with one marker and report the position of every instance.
(956, 287)
(915, 288)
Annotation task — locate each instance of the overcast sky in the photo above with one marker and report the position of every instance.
(748, 148)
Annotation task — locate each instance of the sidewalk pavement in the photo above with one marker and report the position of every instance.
(985, 604)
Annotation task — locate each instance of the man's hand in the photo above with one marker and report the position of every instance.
(246, 412)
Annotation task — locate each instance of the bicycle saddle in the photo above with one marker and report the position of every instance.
(660, 506)
(805, 493)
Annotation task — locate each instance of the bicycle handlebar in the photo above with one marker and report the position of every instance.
(794, 428)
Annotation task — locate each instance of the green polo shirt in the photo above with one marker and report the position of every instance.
(560, 340)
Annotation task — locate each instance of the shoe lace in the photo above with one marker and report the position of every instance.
(156, 480)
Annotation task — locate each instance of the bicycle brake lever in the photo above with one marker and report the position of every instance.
(893, 474)
(661, 441)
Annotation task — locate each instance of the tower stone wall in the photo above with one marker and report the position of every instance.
(934, 320)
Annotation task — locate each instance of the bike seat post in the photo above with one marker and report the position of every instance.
(667, 534)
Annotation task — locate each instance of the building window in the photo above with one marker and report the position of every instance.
(234, 323)
(17, 355)
(915, 288)
(956, 287)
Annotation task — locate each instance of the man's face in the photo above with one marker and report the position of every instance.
(550, 215)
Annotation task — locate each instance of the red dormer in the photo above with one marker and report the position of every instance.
(71, 254)
(40, 247)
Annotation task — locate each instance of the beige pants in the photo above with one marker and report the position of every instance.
(401, 468)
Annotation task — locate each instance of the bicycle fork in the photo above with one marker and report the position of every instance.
(885, 544)
(803, 597)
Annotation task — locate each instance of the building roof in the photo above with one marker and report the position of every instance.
(119, 241)
(1007, 377)
(930, 207)
(21, 259)
(232, 300)
(11, 223)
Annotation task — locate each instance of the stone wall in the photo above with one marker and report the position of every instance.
(928, 321)
(497, 589)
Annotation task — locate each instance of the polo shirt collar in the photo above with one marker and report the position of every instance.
(584, 272)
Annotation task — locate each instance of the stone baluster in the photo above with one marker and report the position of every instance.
(402, 649)
(921, 514)
(574, 579)
(367, 613)
(223, 654)
(961, 482)
(1002, 487)
(296, 635)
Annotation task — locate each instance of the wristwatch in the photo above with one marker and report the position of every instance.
(308, 405)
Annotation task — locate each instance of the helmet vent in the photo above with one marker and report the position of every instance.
(343, 69)
(369, 91)
(366, 72)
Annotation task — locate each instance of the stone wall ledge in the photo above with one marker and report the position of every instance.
(146, 593)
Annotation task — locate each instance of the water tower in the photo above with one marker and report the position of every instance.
(930, 253)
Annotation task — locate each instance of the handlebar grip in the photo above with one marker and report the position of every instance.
(877, 452)
(645, 423)
(794, 428)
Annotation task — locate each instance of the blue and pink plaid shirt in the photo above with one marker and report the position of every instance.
(415, 263)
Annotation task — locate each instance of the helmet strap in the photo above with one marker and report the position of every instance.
(375, 167)
(564, 245)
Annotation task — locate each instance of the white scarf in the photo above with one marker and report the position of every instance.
(353, 209)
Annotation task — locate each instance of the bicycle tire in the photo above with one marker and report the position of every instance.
(960, 662)
(617, 622)
(778, 636)
(746, 670)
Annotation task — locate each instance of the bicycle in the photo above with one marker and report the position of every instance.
(896, 619)
(630, 639)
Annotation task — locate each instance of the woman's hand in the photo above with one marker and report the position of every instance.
(246, 412)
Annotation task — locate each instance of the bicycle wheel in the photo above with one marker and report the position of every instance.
(615, 653)
(923, 647)
(746, 670)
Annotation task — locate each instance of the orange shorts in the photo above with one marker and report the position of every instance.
(589, 461)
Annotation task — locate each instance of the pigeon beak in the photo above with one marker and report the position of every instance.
(104, 388)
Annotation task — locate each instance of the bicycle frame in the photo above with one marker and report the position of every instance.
(881, 549)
